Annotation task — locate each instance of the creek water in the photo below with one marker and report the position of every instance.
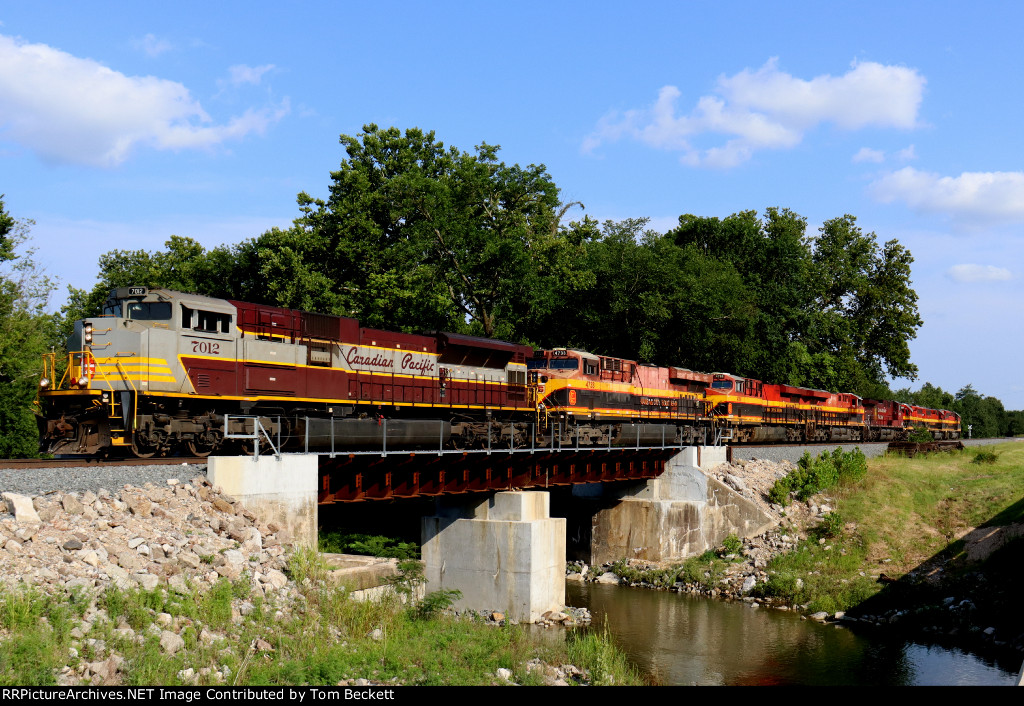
(677, 639)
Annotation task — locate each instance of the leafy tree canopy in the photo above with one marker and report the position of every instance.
(26, 332)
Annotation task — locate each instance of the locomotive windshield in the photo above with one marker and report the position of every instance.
(556, 364)
(149, 311)
(722, 384)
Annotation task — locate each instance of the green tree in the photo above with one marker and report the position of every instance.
(416, 235)
(184, 265)
(864, 310)
(26, 332)
(985, 414)
(772, 258)
(653, 300)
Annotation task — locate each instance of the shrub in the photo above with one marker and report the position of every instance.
(435, 602)
(813, 475)
(921, 436)
(732, 545)
(831, 525)
(984, 457)
(783, 585)
(369, 545)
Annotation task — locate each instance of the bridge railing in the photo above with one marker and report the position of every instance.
(259, 437)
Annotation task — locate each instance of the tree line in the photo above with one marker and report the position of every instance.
(416, 236)
(985, 415)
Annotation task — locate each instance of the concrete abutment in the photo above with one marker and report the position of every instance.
(503, 550)
(680, 514)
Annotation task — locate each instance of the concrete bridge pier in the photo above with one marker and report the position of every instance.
(502, 551)
(281, 489)
(680, 514)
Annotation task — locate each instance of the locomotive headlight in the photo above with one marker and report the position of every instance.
(88, 337)
(87, 333)
(105, 397)
(44, 383)
(83, 382)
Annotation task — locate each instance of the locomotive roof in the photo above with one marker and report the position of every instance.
(132, 292)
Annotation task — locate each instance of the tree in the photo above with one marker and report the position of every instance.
(985, 414)
(417, 235)
(185, 265)
(772, 258)
(26, 332)
(864, 309)
(650, 299)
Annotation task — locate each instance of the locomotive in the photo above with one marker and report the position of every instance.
(162, 372)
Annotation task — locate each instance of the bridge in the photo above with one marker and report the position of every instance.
(491, 534)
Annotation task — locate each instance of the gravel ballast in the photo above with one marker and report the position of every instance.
(42, 481)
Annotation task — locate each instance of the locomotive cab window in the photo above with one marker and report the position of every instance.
(149, 311)
(113, 309)
(212, 322)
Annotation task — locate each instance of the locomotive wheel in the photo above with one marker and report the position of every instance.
(198, 449)
(142, 451)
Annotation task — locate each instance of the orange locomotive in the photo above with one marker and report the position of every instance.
(588, 391)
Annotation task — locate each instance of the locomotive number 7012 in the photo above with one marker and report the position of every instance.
(206, 347)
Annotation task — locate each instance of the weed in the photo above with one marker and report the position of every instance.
(732, 545)
(307, 564)
(596, 654)
(984, 457)
(435, 602)
(831, 525)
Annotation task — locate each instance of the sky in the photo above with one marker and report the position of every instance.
(124, 123)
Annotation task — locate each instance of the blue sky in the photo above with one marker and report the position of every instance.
(124, 123)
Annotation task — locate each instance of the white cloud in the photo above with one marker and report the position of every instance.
(866, 154)
(240, 73)
(72, 110)
(151, 45)
(978, 273)
(907, 154)
(768, 109)
(988, 196)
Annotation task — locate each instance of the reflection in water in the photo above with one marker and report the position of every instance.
(680, 639)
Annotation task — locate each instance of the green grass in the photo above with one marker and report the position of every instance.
(320, 637)
(903, 514)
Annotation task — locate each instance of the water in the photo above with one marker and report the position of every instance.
(679, 639)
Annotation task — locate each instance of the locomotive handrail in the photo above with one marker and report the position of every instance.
(257, 429)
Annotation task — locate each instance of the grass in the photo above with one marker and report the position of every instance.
(319, 636)
(702, 572)
(902, 515)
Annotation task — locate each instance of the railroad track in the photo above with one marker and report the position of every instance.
(85, 462)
